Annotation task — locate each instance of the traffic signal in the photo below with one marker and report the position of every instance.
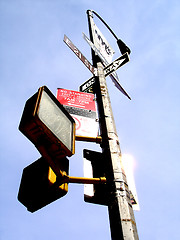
(38, 184)
(47, 124)
(94, 167)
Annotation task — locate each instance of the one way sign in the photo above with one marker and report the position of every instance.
(116, 64)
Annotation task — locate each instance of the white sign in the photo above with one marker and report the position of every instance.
(113, 75)
(128, 162)
(95, 50)
(85, 126)
(102, 44)
(88, 173)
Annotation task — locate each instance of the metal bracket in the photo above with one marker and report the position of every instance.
(82, 180)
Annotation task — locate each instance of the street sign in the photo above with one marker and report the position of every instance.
(94, 48)
(80, 55)
(82, 108)
(105, 62)
(128, 164)
(101, 43)
(116, 64)
(88, 86)
(117, 84)
(113, 75)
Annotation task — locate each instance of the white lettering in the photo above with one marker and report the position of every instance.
(67, 41)
(86, 63)
(76, 50)
(88, 84)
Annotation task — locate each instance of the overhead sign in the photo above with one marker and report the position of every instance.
(80, 55)
(116, 64)
(101, 43)
(82, 108)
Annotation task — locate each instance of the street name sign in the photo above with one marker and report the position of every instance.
(116, 64)
(80, 55)
(113, 75)
(95, 49)
(88, 85)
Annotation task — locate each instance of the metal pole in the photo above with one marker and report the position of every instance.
(121, 215)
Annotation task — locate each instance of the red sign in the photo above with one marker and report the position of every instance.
(76, 99)
(82, 107)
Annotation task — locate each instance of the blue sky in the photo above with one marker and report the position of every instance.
(32, 54)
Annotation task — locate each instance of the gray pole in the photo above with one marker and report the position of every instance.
(121, 215)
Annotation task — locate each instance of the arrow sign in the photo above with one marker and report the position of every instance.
(80, 55)
(116, 64)
(88, 85)
(113, 75)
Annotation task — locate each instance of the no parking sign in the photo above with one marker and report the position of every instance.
(82, 107)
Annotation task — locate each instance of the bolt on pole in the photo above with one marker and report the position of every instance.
(121, 215)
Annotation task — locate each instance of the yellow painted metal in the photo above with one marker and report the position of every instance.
(52, 179)
(83, 180)
(89, 139)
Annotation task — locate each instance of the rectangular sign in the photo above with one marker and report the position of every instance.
(113, 75)
(88, 85)
(101, 43)
(104, 61)
(118, 85)
(95, 49)
(80, 55)
(82, 107)
(128, 164)
(116, 64)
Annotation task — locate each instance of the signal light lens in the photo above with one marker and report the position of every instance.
(56, 120)
(47, 124)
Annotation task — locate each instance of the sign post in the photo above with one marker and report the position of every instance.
(121, 215)
(50, 127)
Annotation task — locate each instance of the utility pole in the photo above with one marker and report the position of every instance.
(121, 215)
(45, 123)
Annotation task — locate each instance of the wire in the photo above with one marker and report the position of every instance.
(105, 24)
(122, 46)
